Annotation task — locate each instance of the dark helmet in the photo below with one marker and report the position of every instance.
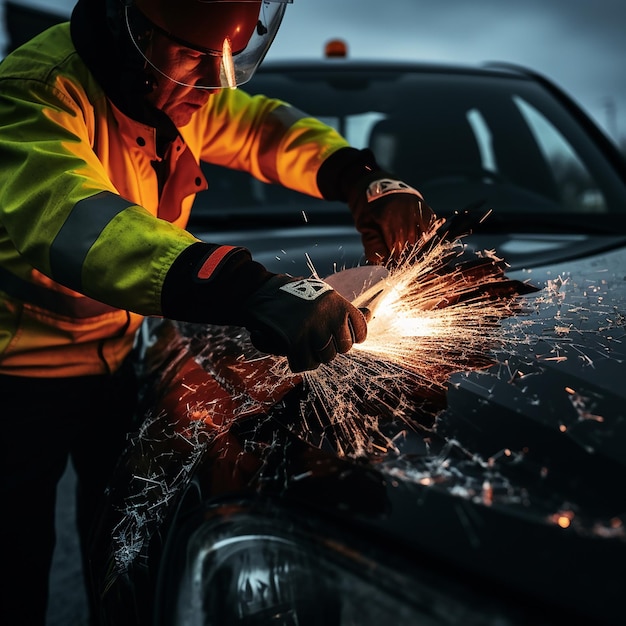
(230, 37)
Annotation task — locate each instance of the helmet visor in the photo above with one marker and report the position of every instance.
(208, 44)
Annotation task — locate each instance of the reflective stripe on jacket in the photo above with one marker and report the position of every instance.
(85, 239)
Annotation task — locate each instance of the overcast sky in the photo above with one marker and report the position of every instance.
(580, 44)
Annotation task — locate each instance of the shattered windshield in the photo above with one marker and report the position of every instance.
(460, 138)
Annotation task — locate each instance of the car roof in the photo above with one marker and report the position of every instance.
(496, 69)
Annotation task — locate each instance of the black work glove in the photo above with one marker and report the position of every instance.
(304, 319)
(390, 215)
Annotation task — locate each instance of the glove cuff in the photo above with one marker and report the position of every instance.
(341, 171)
(207, 284)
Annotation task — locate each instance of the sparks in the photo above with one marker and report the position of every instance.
(437, 313)
(434, 317)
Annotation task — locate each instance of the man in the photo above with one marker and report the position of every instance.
(103, 124)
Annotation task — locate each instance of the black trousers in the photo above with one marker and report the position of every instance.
(43, 423)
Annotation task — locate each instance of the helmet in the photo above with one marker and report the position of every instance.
(207, 44)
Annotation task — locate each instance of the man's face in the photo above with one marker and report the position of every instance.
(180, 100)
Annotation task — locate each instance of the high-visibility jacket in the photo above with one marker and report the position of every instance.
(85, 239)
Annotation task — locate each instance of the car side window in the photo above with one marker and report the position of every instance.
(575, 184)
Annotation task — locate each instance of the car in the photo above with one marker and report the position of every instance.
(473, 477)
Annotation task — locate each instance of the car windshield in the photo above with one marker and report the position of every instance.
(460, 137)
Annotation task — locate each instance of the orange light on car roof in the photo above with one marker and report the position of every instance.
(336, 48)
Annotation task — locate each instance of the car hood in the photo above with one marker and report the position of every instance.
(528, 487)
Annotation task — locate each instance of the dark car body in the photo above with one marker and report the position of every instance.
(502, 499)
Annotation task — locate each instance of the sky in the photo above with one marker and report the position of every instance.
(579, 44)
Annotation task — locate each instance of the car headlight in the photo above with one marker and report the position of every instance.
(242, 568)
(253, 579)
